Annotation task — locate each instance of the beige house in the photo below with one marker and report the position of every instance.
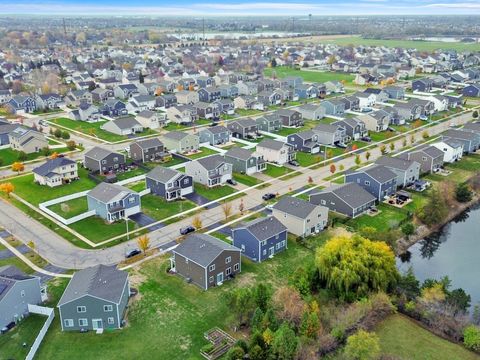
(27, 140)
(56, 172)
(275, 151)
(186, 97)
(180, 142)
(301, 217)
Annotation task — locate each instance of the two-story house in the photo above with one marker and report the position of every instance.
(168, 183)
(56, 172)
(209, 171)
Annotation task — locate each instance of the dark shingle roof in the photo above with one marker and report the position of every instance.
(294, 206)
(265, 228)
(51, 165)
(351, 193)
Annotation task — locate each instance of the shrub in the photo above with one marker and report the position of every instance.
(463, 193)
(208, 348)
(363, 346)
(471, 337)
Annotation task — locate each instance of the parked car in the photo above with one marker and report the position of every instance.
(423, 117)
(366, 110)
(131, 253)
(366, 139)
(269, 196)
(187, 230)
(232, 182)
(7, 327)
(342, 146)
(294, 163)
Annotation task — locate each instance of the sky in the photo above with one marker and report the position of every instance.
(240, 8)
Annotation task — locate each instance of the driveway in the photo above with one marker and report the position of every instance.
(201, 200)
(143, 220)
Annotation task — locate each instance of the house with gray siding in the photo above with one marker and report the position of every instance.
(330, 134)
(470, 138)
(101, 160)
(429, 157)
(27, 140)
(269, 123)
(407, 171)
(95, 299)
(180, 142)
(354, 128)
(206, 261)
(168, 183)
(305, 141)
(113, 202)
(148, 150)
(378, 180)
(275, 151)
(209, 171)
(244, 128)
(245, 161)
(17, 291)
(261, 239)
(215, 135)
(333, 107)
(347, 199)
(290, 117)
(123, 126)
(301, 217)
(312, 111)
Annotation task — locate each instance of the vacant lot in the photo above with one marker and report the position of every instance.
(9, 156)
(309, 76)
(92, 129)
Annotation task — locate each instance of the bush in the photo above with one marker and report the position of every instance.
(408, 229)
(463, 193)
(22, 156)
(363, 346)
(208, 348)
(57, 133)
(471, 337)
(65, 135)
(235, 353)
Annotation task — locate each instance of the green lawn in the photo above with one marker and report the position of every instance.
(158, 208)
(305, 159)
(246, 179)
(92, 129)
(402, 338)
(174, 126)
(97, 230)
(248, 112)
(202, 153)
(309, 76)
(137, 186)
(131, 173)
(214, 193)
(71, 208)
(9, 156)
(277, 171)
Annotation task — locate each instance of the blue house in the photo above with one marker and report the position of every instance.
(261, 239)
(209, 94)
(472, 90)
(113, 107)
(424, 85)
(22, 104)
(305, 91)
(378, 180)
(205, 81)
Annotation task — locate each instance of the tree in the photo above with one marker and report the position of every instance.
(363, 346)
(310, 180)
(22, 156)
(7, 188)
(197, 222)
(471, 337)
(18, 167)
(404, 142)
(341, 167)
(71, 145)
(241, 207)
(408, 285)
(435, 210)
(235, 353)
(383, 149)
(392, 146)
(333, 168)
(54, 155)
(285, 343)
(416, 124)
(344, 264)
(257, 320)
(475, 114)
(425, 135)
(46, 151)
(57, 133)
(367, 155)
(459, 299)
(65, 135)
(289, 305)
(262, 295)
(358, 161)
(408, 229)
(354, 147)
(463, 193)
(143, 243)
(240, 302)
(310, 324)
(227, 209)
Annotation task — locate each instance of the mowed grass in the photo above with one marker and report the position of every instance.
(92, 129)
(97, 230)
(158, 208)
(9, 156)
(202, 153)
(70, 208)
(401, 337)
(308, 76)
(246, 179)
(277, 171)
(214, 193)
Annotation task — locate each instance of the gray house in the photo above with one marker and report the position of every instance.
(95, 299)
(290, 117)
(407, 171)
(113, 202)
(333, 107)
(378, 180)
(148, 150)
(215, 135)
(209, 171)
(469, 137)
(206, 261)
(276, 151)
(269, 123)
(312, 111)
(301, 217)
(305, 141)
(243, 129)
(245, 161)
(168, 183)
(354, 128)
(429, 157)
(180, 142)
(347, 199)
(102, 160)
(17, 291)
(123, 126)
(329, 134)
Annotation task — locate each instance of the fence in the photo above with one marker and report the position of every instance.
(44, 207)
(35, 309)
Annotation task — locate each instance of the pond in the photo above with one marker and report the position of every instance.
(454, 252)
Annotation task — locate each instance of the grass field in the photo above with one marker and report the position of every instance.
(214, 193)
(92, 129)
(402, 338)
(246, 179)
(309, 76)
(72, 207)
(97, 230)
(157, 208)
(277, 171)
(9, 156)
(202, 153)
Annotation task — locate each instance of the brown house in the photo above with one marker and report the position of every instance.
(206, 261)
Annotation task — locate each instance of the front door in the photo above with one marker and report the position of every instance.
(271, 251)
(220, 278)
(97, 324)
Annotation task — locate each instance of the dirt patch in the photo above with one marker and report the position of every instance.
(245, 280)
(136, 279)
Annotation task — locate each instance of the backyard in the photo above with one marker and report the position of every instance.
(203, 152)
(70, 208)
(214, 193)
(158, 208)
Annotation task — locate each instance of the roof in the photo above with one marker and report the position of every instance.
(163, 174)
(98, 153)
(295, 206)
(104, 282)
(202, 249)
(271, 144)
(175, 135)
(430, 150)
(351, 193)
(264, 228)
(51, 165)
(378, 172)
(218, 129)
(329, 128)
(239, 153)
(126, 122)
(148, 143)
(394, 162)
(211, 162)
(106, 192)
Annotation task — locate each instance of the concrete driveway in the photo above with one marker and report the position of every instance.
(201, 200)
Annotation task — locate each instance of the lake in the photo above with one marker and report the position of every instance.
(454, 251)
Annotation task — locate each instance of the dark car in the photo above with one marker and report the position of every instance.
(186, 230)
(132, 253)
(231, 182)
(294, 163)
(268, 196)
(7, 327)
(366, 139)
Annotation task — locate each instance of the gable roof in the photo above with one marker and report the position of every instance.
(239, 153)
(163, 174)
(98, 153)
(51, 165)
(211, 162)
(351, 193)
(148, 143)
(106, 192)
(379, 173)
(272, 144)
(264, 228)
(394, 162)
(295, 206)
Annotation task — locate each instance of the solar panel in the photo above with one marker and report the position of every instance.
(2, 288)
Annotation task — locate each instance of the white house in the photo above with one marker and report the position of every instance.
(56, 172)
(452, 150)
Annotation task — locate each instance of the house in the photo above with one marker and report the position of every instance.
(228, 91)
(95, 299)
(205, 81)
(289, 117)
(306, 91)
(125, 91)
(407, 171)
(168, 183)
(469, 138)
(209, 171)
(351, 102)
(5, 96)
(408, 111)
(329, 134)
(423, 85)
(206, 261)
(377, 121)
(312, 111)
(148, 150)
(244, 128)
(275, 151)
(333, 107)
(304, 141)
(5, 129)
(365, 79)
(269, 98)
(182, 114)
(247, 103)
(100, 95)
(354, 128)
(48, 101)
(378, 180)
(186, 97)
(123, 126)
(56, 172)
(151, 119)
(207, 111)
(429, 157)
(347, 199)
(113, 202)
(245, 161)
(366, 100)
(209, 94)
(180, 142)
(215, 135)
(17, 291)
(472, 127)
(381, 96)
(141, 102)
(27, 140)
(102, 160)
(85, 112)
(292, 81)
(225, 106)
(395, 92)
(334, 86)
(452, 150)
(301, 217)
(247, 88)
(269, 123)
(113, 108)
(472, 90)
(261, 239)
(19, 104)
(165, 101)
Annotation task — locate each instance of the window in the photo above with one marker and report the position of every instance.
(263, 243)
(185, 181)
(82, 322)
(236, 267)
(367, 182)
(107, 308)
(228, 271)
(104, 162)
(243, 248)
(277, 246)
(68, 322)
(212, 267)
(228, 260)
(264, 252)
(424, 158)
(81, 309)
(323, 202)
(283, 243)
(131, 199)
(111, 321)
(210, 279)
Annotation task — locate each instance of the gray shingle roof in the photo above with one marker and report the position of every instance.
(97, 153)
(218, 129)
(394, 162)
(51, 165)
(126, 122)
(149, 143)
(265, 228)
(239, 153)
(106, 192)
(211, 162)
(351, 193)
(175, 135)
(104, 282)
(271, 144)
(202, 248)
(380, 173)
(162, 174)
(294, 206)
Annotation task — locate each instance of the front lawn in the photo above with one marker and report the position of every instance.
(277, 171)
(246, 179)
(71, 208)
(9, 156)
(214, 193)
(97, 230)
(158, 208)
(203, 151)
(87, 128)
(305, 159)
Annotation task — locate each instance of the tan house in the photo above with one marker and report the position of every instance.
(186, 97)
(27, 140)
(180, 142)
(56, 172)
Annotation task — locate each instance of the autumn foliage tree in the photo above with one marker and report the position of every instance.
(227, 210)
(143, 243)
(7, 188)
(18, 167)
(333, 168)
(197, 222)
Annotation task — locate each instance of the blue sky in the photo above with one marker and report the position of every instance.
(239, 8)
